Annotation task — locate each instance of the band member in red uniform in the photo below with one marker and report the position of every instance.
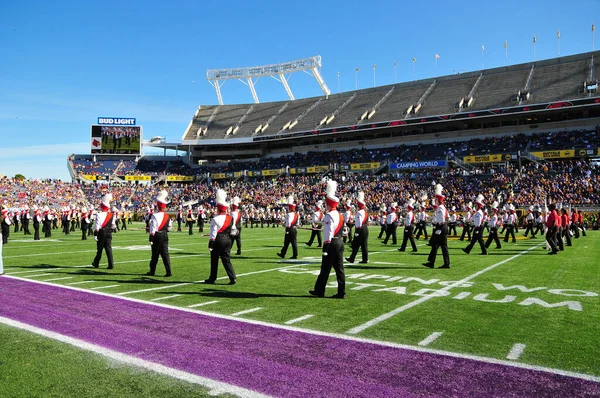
(553, 224)
(565, 221)
(291, 221)
(160, 225)
(222, 226)
(409, 221)
(361, 234)
(237, 219)
(333, 247)
(105, 224)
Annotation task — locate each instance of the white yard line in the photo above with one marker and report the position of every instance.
(430, 339)
(29, 272)
(80, 283)
(104, 287)
(190, 283)
(516, 351)
(35, 276)
(300, 319)
(423, 299)
(449, 354)
(246, 311)
(58, 279)
(215, 387)
(165, 297)
(203, 304)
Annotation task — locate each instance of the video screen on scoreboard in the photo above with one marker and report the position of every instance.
(122, 140)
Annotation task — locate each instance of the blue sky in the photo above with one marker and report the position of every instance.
(66, 62)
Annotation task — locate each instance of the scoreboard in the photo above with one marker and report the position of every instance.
(114, 135)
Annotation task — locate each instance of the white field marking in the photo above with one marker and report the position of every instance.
(31, 240)
(300, 319)
(104, 287)
(50, 254)
(35, 276)
(29, 272)
(513, 364)
(215, 387)
(58, 279)
(165, 297)
(80, 283)
(423, 299)
(246, 311)
(190, 283)
(430, 339)
(203, 304)
(516, 351)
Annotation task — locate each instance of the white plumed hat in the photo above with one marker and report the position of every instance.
(438, 191)
(162, 197)
(361, 197)
(222, 200)
(480, 199)
(235, 201)
(106, 199)
(330, 198)
(411, 204)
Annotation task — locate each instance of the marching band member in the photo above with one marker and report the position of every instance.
(452, 220)
(422, 222)
(529, 220)
(409, 220)
(317, 223)
(160, 225)
(477, 219)
(291, 222)
(391, 224)
(361, 234)
(510, 224)
(333, 247)
(190, 219)
(493, 223)
(237, 219)
(439, 237)
(6, 223)
(105, 224)
(467, 222)
(222, 227)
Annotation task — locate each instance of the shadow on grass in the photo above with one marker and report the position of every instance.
(231, 294)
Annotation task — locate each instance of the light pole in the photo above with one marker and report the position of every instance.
(356, 77)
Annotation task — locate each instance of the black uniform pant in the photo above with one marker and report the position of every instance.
(493, 237)
(333, 257)
(36, 231)
(452, 228)
(566, 236)
(290, 239)
(26, 227)
(439, 239)
(477, 238)
(160, 247)
(539, 228)
(238, 240)
(66, 225)
(510, 231)
(559, 238)
(5, 232)
(528, 229)
(360, 241)
(84, 231)
(408, 235)
(421, 229)
(381, 231)
(200, 224)
(390, 231)
(104, 243)
(191, 227)
(221, 250)
(123, 224)
(178, 225)
(16, 227)
(316, 233)
(466, 232)
(551, 238)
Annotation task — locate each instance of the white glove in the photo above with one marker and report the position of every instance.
(151, 243)
(96, 238)
(438, 232)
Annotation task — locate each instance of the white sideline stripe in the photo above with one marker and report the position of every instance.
(49, 254)
(203, 304)
(516, 351)
(423, 299)
(300, 319)
(104, 287)
(58, 279)
(246, 311)
(80, 283)
(215, 387)
(35, 276)
(190, 283)
(513, 364)
(28, 272)
(430, 339)
(166, 297)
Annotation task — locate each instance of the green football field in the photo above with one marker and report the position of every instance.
(517, 303)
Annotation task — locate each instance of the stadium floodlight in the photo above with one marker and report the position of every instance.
(250, 75)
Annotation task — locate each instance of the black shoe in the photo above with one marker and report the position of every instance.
(428, 265)
(498, 247)
(281, 255)
(553, 252)
(363, 262)
(314, 293)
(465, 250)
(94, 265)
(238, 253)
(209, 281)
(401, 250)
(319, 246)
(294, 258)
(109, 267)
(168, 275)
(429, 244)
(232, 281)
(350, 261)
(414, 251)
(445, 266)
(308, 244)
(483, 254)
(461, 239)
(339, 296)
(149, 274)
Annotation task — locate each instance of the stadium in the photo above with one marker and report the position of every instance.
(521, 140)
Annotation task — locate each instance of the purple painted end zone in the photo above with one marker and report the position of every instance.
(269, 360)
